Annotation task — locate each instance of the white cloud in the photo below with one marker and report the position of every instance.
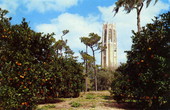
(46, 5)
(38, 5)
(78, 26)
(127, 22)
(10, 5)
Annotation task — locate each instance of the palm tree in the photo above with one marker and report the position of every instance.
(129, 5)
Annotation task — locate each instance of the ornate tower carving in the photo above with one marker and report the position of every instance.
(109, 39)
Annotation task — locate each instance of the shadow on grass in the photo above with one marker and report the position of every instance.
(125, 105)
(49, 101)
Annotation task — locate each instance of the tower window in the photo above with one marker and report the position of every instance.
(110, 35)
(105, 34)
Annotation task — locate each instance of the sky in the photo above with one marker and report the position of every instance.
(81, 17)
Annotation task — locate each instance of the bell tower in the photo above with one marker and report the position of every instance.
(109, 40)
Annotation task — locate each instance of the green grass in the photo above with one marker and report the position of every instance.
(75, 104)
(87, 101)
(90, 96)
(46, 107)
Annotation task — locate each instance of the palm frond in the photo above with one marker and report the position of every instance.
(149, 1)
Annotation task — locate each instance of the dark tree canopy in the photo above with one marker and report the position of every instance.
(146, 75)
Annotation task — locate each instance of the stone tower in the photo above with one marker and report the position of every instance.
(109, 39)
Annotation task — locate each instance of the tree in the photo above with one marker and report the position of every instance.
(104, 78)
(61, 44)
(88, 62)
(147, 70)
(129, 5)
(93, 42)
(64, 33)
(23, 56)
(30, 69)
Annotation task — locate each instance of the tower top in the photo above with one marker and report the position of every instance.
(109, 25)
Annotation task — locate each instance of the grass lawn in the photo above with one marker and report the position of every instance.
(87, 101)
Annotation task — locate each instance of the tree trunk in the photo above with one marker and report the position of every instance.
(138, 21)
(86, 71)
(95, 71)
(138, 16)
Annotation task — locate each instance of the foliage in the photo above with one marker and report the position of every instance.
(146, 75)
(72, 79)
(30, 67)
(129, 5)
(104, 79)
(120, 84)
(23, 54)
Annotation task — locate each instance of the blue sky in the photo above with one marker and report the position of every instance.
(81, 17)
